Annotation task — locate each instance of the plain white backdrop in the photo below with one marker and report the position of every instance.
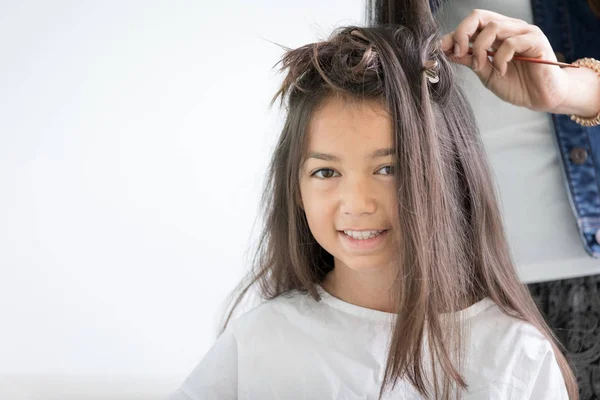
(134, 138)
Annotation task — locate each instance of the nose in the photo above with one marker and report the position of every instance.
(357, 197)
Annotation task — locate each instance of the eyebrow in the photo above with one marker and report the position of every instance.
(331, 157)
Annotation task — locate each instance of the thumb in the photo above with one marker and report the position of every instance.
(482, 71)
(464, 60)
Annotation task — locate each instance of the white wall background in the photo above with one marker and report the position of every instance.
(134, 137)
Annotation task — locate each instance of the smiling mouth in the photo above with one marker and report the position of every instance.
(365, 241)
(363, 234)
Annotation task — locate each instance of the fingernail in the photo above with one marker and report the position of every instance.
(475, 64)
(456, 50)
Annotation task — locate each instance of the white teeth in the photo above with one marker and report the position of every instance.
(361, 235)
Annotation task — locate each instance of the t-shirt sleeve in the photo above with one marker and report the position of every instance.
(216, 376)
(549, 382)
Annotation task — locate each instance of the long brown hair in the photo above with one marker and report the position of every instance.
(452, 249)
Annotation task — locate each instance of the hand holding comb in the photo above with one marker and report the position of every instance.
(521, 58)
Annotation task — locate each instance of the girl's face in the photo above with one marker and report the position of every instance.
(347, 184)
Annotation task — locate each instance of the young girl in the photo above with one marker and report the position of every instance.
(383, 260)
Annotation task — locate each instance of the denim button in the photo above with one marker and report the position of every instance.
(597, 236)
(578, 155)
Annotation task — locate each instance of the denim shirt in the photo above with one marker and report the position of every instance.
(573, 29)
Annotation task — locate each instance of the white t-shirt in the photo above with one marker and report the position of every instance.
(521, 145)
(294, 347)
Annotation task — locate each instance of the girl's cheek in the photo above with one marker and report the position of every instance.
(320, 203)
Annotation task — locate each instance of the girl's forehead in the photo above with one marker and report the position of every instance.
(340, 123)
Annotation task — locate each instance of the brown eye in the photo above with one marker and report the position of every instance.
(324, 173)
(389, 170)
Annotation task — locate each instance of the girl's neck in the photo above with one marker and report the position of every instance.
(367, 289)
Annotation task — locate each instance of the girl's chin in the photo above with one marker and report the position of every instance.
(363, 264)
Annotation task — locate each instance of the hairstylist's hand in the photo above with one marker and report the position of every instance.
(536, 86)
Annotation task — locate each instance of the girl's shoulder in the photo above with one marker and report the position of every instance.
(492, 325)
(263, 315)
(509, 355)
